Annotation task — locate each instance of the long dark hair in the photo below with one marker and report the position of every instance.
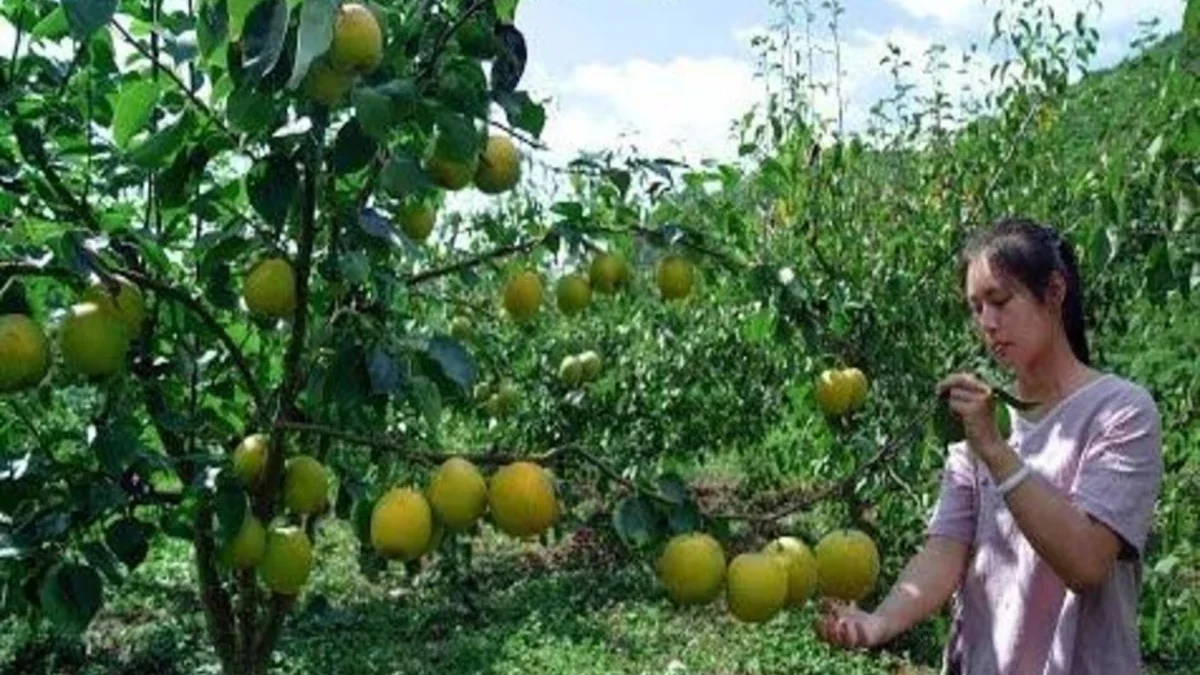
(1030, 253)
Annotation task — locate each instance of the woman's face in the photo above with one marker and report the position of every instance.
(1014, 326)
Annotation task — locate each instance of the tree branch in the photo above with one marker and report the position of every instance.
(167, 291)
(442, 40)
(474, 261)
(527, 140)
(217, 610)
(279, 607)
(175, 79)
(432, 458)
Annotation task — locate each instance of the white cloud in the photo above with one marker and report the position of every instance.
(1112, 15)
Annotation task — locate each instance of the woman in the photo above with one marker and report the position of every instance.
(1039, 536)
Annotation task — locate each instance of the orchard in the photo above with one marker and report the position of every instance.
(239, 314)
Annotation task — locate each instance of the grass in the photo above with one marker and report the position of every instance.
(571, 608)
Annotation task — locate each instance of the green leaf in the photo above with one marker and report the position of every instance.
(455, 362)
(523, 113)
(509, 64)
(1159, 277)
(403, 176)
(462, 86)
(54, 26)
(507, 10)
(70, 596)
(232, 509)
(635, 522)
(272, 185)
(127, 540)
(424, 394)
(352, 149)
(316, 32)
(212, 28)
(684, 518)
(102, 559)
(116, 444)
(373, 111)
(87, 16)
(673, 488)
(159, 150)
(264, 34)
(379, 226)
(134, 109)
(457, 139)
(250, 111)
(381, 368)
(239, 12)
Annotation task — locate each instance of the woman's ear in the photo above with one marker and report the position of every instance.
(1056, 290)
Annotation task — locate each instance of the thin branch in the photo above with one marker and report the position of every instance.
(432, 458)
(12, 66)
(832, 489)
(272, 627)
(442, 40)
(527, 140)
(175, 79)
(166, 291)
(475, 261)
(247, 617)
(264, 507)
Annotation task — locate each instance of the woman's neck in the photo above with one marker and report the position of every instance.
(1052, 378)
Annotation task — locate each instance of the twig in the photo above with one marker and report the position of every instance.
(166, 291)
(175, 79)
(265, 644)
(12, 66)
(474, 261)
(531, 142)
(292, 374)
(432, 458)
(439, 44)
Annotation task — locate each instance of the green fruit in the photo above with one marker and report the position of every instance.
(24, 353)
(499, 167)
(250, 458)
(305, 485)
(608, 272)
(357, 44)
(93, 341)
(417, 219)
(287, 561)
(573, 293)
(590, 361)
(570, 371)
(460, 328)
(128, 304)
(249, 547)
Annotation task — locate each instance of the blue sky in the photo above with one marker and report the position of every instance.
(670, 75)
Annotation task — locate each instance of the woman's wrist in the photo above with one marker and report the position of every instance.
(1001, 460)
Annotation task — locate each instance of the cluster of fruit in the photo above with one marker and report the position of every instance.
(406, 522)
(783, 575)
(608, 273)
(93, 338)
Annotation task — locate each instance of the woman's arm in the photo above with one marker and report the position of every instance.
(1079, 549)
(925, 585)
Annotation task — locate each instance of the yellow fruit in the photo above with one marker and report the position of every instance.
(590, 361)
(522, 499)
(523, 295)
(857, 383)
(93, 341)
(460, 328)
(573, 293)
(500, 167)
(608, 272)
(128, 304)
(570, 371)
(451, 174)
(24, 353)
(249, 546)
(270, 288)
(417, 219)
(287, 561)
(401, 524)
(458, 493)
(847, 564)
(756, 586)
(325, 84)
(675, 277)
(834, 392)
(250, 458)
(692, 568)
(357, 45)
(801, 568)
(305, 485)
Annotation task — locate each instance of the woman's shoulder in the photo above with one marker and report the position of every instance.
(1115, 397)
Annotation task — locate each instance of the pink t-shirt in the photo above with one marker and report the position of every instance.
(1012, 615)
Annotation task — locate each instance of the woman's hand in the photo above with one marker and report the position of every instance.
(971, 399)
(845, 625)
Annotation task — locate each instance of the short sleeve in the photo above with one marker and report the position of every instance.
(1120, 471)
(957, 505)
